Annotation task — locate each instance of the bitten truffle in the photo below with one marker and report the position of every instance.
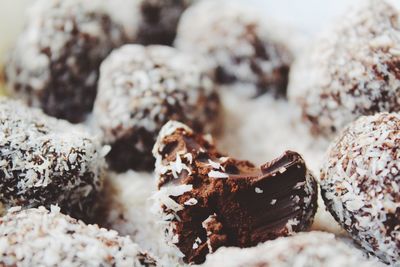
(140, 89)
(314, 249)
(159, 19)
(38, 237)
(353, 69)
(208, 200)
(360, 183)
(55, 62)
(46, 161)
(238, 44)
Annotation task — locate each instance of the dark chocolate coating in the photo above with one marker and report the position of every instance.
(124, 154)
(159, 21)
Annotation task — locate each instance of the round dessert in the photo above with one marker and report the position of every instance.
(38, 237)
(46, 161)
(55, 62)
(140, 89)
(207, 200)
(315, 249)
(360, 182)
(237, 43)
(353, 69)
(159, 20)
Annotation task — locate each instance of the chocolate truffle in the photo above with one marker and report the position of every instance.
(38, 237)
(238, 44)
(46, 161)
(159, 19)
(140, 89)
(208, 200)
(360, 182)
(353, 69)
(316, 249)
(55, 62)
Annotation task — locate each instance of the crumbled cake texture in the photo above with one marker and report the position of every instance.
(140, 89)
(360, 183)
(46, 161)
(353, 69)
(207, 200)
(237, 43)
(315, 249)
(55, 62)
(39, 237)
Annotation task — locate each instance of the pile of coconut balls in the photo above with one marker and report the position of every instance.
(179, 132)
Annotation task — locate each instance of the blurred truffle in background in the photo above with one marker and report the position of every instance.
(159, 20)
(142, 88)
(238, 43)
(352, 69)
(317, 249)
(54, 64)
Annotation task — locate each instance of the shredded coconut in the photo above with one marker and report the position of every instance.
(47, 161)
(217, 174)
(315, 249)
(36, 237)
(237, 42)
(357, 181)
(350, 70)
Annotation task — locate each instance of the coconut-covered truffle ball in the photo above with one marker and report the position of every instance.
(353, 69)
(38, 237)
(46, 161)
(238, 44)
(140, 89)
(314, 249)
(159, 19)
(55, 62)
(207, 200)
(360, 183)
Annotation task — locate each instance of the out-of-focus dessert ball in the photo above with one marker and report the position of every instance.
(353, 69)
(54, 64)
(315, 249)
(159, 20)
(237, 43)
(140, 89)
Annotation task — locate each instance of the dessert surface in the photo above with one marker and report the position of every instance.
(45, 161)
(176, 133)
(50, 238)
